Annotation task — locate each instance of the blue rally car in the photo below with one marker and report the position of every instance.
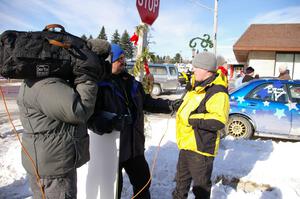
(267, 108)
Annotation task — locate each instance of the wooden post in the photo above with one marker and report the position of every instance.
(142, 44)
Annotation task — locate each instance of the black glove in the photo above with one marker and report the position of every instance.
(106, 65)
(188, 86)
(88, 67)
(120, 121)
(175, 104)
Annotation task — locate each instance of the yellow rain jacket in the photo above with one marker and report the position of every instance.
(202, 114)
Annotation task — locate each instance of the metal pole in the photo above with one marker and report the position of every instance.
(215, 26)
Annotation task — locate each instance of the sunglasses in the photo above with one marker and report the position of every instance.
(121, 58)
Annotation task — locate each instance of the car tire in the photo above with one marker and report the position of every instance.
(156, 89)
(239, 127)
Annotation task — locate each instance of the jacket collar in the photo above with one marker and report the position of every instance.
(217, 79)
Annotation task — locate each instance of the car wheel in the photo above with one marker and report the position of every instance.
(239, 127)
(156, 89)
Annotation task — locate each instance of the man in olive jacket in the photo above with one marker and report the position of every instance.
(54, 113)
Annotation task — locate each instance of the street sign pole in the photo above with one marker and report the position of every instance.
(148, 10)
(142, 44)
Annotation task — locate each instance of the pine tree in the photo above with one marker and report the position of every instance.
(177, 58)
(115, 38)
(126, 44)
(102, 34)
(90, 37)
(159, 59)
(83, 37)
(167, 59)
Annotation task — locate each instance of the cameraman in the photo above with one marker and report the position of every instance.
(54, 113)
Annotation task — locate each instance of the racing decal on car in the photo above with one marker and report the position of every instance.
(277, 90)
(240, 99)
(292, 106)
(280, 113)
(266, 103)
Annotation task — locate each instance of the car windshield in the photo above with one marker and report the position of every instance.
(172, 71)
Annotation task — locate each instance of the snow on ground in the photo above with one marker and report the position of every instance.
(262, 169)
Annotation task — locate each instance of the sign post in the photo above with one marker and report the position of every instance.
(148, 10)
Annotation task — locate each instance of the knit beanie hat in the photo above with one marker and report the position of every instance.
(206, 61)
(282, 68)
(249, 70)
(117, 51)
(100, 46)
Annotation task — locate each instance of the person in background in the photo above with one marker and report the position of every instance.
(203, 112)
(54, 114)
(249, 73)
(222, 65)
(124, 97)
(284, 73)
(239, 79)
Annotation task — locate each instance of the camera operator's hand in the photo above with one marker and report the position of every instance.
(88, 67)
(120, 121)
(93, 64)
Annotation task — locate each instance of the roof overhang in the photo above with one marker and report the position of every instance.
(241, 53)
(267, 37)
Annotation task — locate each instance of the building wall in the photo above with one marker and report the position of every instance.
(263, 62)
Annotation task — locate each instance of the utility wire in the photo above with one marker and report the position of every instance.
(201, 5)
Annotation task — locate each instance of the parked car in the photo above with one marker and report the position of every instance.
(165, 77)
(267, 108)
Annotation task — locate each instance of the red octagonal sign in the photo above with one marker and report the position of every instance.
(148, 10)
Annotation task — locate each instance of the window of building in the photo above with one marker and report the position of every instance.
(291, 61)
(296, 73)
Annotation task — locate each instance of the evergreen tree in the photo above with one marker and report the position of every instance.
(102, 34)
(159, 60)
(126, 44)
(167, 59)
(177, 58)
(83, 37)
(115, 38)
(90, 37)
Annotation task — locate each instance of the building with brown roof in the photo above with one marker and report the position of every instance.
(266, 47)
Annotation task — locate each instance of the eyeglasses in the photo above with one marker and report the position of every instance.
(121, 58)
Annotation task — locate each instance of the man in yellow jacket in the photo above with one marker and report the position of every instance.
(203, 112)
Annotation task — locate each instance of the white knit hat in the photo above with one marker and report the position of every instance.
(282, 68)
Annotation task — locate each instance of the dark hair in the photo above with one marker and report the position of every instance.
(249, 70)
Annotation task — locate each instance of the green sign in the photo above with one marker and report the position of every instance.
(205, 42)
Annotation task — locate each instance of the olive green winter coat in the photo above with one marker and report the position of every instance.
(54, 117)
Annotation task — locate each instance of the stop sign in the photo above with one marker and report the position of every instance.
(148, 10)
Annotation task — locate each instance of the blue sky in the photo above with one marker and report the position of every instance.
(178, 22)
